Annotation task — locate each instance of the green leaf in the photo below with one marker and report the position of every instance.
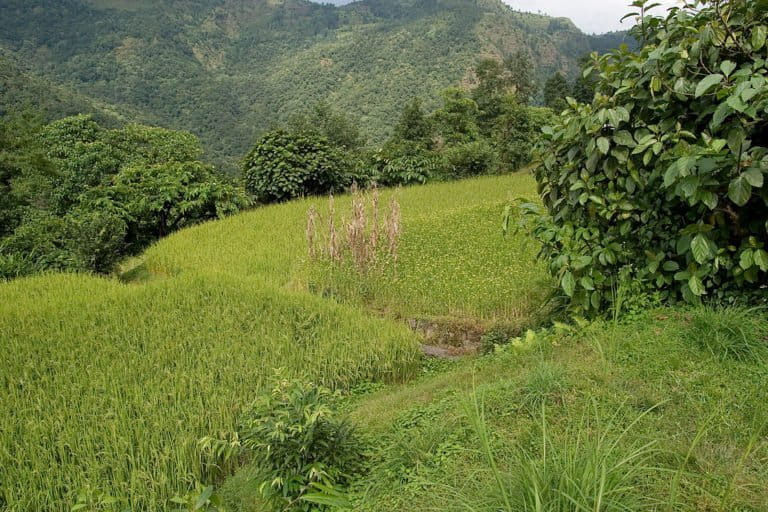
(754, 177)
(709, 199)
(736, 103)
(655, 84)
(735, 139)
(746, 260)
(700, 248)
(739, 191)
(671, 266)
(587, 283)
(624, 138)
(708, 83)
(671, 175)
(721, 112)
(604, 145)
(727, 67)
(696, 286)
(760, 258)
(204, 496)
(758, 37)
(569, 284)
(580, 262)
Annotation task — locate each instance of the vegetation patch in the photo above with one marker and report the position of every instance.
(552, 424)
(148, 368)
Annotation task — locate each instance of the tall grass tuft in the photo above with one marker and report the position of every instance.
(593, 467)
(546, 382)
(729, 332)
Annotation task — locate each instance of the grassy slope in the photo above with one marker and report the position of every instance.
(117, 381)
(453, 259)
(593, 383)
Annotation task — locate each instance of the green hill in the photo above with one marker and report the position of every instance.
(118, 381)
(226, 69)
(22, 89)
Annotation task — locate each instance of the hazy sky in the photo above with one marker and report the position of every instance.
(589, 15)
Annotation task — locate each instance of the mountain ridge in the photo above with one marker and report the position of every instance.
(228, 69)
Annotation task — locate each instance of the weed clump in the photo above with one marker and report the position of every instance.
(594, 467)
(362, 239)
(729, 332)
(304, 451)
(547, 381)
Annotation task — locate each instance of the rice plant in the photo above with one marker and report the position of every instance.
(451, 256)
(109, 386)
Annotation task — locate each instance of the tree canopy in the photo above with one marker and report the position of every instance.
(659, 183)
(77, 196)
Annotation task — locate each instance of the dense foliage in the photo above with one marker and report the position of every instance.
(77, 196)
(284, 165)
(486, 129)
(227, 71)
(661, 180)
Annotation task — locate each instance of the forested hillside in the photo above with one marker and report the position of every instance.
(228, 69)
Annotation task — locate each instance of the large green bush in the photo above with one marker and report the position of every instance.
(467, 159)
(284, 165)
(661, 179)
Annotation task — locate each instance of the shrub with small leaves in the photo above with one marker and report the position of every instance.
(662, 178)
(283, 166)
(404, 164)
(305, 450)
(467, 159)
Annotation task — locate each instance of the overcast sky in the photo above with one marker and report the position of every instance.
(592, 16)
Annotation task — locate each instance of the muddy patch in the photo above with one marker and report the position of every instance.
(451, 338)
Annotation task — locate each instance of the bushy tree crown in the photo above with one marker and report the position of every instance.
(661, 180)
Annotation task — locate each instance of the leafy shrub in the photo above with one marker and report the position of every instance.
(97, 236)
(301, 444)
(661, 178)
(80, 197)
(467, 159)
(515, 132)
(405, 165)
(161, 198)
(82, 240)
(496, 336)
(40, 243)
(283, 166)
(13, 265)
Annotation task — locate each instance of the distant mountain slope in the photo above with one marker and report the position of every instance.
(21, 89)
(226, 69)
